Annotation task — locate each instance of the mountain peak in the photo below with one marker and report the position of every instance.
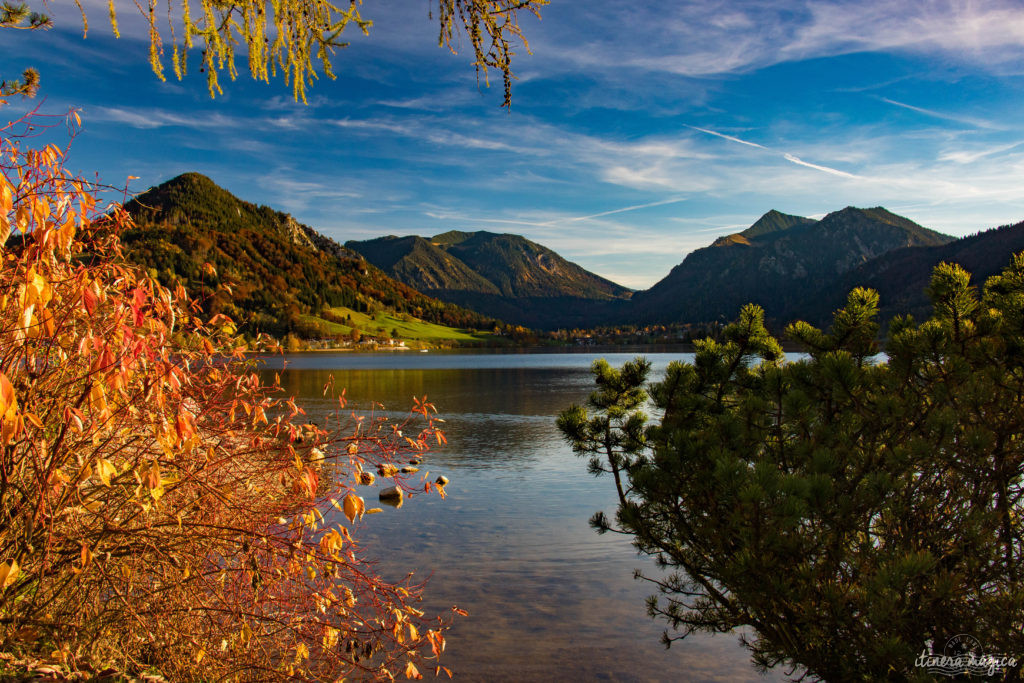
(859, 219)
(189, 177)
(784, 258)
(453, 237)
(775, 221)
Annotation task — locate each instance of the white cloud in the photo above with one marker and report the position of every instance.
(714, 37)
(149, 118)
(969, 156)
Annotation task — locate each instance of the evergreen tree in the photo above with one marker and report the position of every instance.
(844, 508)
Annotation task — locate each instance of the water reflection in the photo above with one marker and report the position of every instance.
(548, 598)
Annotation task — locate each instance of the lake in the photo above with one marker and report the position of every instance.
(548, 598)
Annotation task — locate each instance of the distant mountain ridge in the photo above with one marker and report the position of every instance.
(901, 276)
(504, 275)
(780, 262)
(282, 273)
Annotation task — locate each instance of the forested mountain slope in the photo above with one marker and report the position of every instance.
(280, 272)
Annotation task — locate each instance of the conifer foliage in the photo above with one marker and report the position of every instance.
(161, 508)
(845, 508)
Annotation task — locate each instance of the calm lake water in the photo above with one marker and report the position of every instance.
(548, 599)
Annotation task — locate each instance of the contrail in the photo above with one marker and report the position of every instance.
(825, 169)
(622, 210)
(787, 157)
(727, 137)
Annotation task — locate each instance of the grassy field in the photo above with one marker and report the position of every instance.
(382, 325)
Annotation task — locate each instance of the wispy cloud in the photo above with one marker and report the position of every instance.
(700, 39)
(969, 156)
(970, 121)
(151, 118)
(386, 125)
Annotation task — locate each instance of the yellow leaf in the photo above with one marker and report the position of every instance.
(8, 573)
(98, 400)
(105, 469)
(85, 473)
(354, 506)
(6, 196)
(330, 636)
(331, 543)
(412, 672)
(21, 216)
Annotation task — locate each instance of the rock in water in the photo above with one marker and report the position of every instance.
(391, 496)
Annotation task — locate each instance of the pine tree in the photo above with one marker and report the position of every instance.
(844, 508)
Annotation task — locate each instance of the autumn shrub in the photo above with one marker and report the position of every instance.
(161, 508)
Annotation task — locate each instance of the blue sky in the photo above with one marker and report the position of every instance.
(638, 132)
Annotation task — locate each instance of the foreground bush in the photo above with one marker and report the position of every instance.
(853, 514)
(159, 508)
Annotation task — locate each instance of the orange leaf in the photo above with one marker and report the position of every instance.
(8, 402)
(89, 299)
(152, 479)
(185, 425)
(86, 556)
(354, 506)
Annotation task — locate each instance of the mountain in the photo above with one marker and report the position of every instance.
(902, 276)
(282, 274)
(781, 262)
(502, 275)
(774, 221)
(421, 264)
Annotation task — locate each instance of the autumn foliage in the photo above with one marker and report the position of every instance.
(163, 509)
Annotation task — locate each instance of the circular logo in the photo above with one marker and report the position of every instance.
(962, 645)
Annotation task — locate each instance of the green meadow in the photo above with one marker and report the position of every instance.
(403, 326)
